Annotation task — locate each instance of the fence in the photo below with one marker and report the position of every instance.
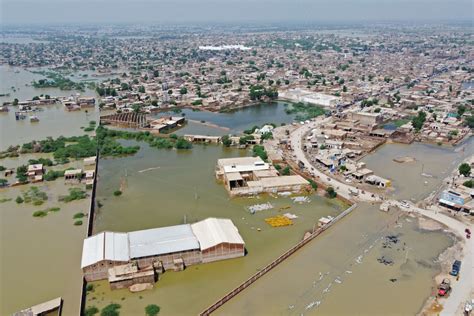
(90, 226)
(273, 264)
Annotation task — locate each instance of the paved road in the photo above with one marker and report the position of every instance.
(343, 189)
(461, 289)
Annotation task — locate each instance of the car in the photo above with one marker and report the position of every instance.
(456, 268)
(405, 204)
(444, 287)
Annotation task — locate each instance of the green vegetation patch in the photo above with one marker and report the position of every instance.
(78, 215)
(43, 213)
(305, 111)
(152, 310)
(74, 194)
(91, 311)
(35, 196)
(110, 310)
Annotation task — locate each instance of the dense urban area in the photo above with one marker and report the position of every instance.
(145, 163)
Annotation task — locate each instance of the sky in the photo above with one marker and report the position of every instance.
(232, 11)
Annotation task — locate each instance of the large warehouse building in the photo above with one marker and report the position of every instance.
(165, 248)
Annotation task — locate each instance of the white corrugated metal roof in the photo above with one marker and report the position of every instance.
(156, 241)
(105, 246)
(92, 250)
(116, 247)
(151, 242)
(213, 231)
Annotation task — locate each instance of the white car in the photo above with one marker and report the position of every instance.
(405, 204)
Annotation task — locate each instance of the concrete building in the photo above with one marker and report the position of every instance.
(251, 175)
(366, 119)
(35, 172)
(163, 248)
(307, 96)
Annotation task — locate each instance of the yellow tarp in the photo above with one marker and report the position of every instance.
(279, 221)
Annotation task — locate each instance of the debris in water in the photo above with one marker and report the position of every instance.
(149, 169)
(348, 271)
(312, 304)
(385, 261)
(393, 280)
(301, 199)
(260, 207)
(290, 215)
(359, 259)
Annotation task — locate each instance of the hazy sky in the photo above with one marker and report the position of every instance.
(181, 11)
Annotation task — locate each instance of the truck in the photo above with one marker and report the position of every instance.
(444, 287)
(456, 268)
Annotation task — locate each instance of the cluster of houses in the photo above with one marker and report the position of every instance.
(35, 173)
(459, 196)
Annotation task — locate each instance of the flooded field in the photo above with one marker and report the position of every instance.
(340, 272)
(54, 121)
(40, 255)
(235, 122)
(164, 188)
(416, 180)
(17, 83)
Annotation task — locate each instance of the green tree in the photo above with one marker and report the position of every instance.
(110, 310)
(91, 311)
(226, 141)
(331, 193)
(285, 171)
(3, 182)
(183, 90)
(152, 310)
(15, 102)
(141, 89)
(469, 184)
(419, 120)
(465, 169)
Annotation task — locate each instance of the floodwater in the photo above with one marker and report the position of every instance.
(236, 121)
(40, 257)
(54, 121)
(416, 180)
(178, 186)
(351, 278)
(17, 82)
(339, 274)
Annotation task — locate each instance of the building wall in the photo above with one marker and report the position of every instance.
(223, 251)
(127, 283)
(99, 271)
(189, 258)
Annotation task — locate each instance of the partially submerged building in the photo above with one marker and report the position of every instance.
(158, 249)
(251, 175)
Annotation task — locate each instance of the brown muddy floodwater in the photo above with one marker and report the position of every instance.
(40, 257)
(416, 180)
(182, 186)
(339, 272)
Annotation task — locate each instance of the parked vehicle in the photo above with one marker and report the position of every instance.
(405, 204)
(456, 268)
(444, 287)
